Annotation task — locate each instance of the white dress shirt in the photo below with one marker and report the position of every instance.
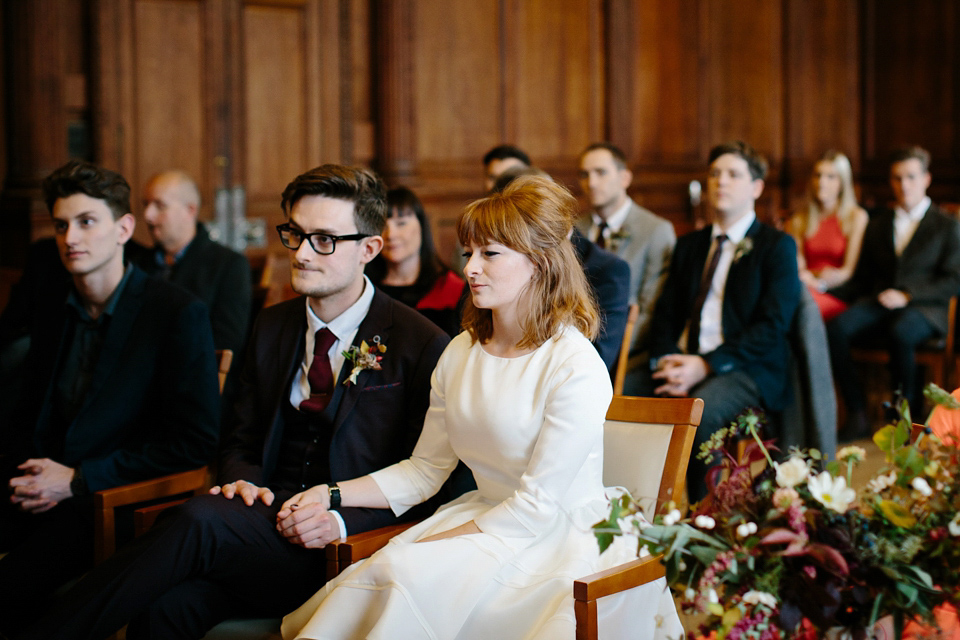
(905, 224)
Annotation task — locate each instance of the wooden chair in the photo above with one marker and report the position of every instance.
(646, 448)
(624, 356)
(155, 494)
(647, 445)
(937, 356)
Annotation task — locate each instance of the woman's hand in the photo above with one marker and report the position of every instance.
(317, 495)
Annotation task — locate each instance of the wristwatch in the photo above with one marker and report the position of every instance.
(334, 491)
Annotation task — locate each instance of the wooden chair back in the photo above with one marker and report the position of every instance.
(647, 444)
(624, 356)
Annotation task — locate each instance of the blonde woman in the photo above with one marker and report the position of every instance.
(829, 230)
(520, 397)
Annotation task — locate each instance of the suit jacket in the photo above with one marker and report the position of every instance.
(220, 277)
(152, 407)
(928, 270)
(609, 276)
(376, 422)
(645, 242)
(760, 297)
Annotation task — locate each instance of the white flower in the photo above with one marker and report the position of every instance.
(881, 482)
(792, 472)
(712, 596)
(705, 522)
(689, 594)
(856, 454)
(954, 525)
(831, 492)
(760, 597)
(746, 529)
(672, 518)
(921, 485)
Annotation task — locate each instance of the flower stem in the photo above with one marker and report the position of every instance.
(756, 436)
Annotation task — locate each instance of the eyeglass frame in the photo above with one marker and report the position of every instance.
(306, 236)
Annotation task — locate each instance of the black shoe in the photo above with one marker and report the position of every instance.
(857, 427)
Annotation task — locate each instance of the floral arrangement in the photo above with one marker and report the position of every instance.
(366, 356)
(617, 238)
(793, 551)
(743, 248)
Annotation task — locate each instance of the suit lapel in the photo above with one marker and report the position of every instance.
(921, 240)
(378, 321)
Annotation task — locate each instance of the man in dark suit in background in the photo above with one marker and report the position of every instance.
(120, 386)
(719, 331)
(909, 267)
(299, 420)
(185, 255)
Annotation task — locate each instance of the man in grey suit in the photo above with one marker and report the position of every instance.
(618, 224)
(909, 267)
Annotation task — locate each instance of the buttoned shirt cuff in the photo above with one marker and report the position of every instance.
(343, 527)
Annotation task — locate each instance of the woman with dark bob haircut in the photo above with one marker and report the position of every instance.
(520, 396)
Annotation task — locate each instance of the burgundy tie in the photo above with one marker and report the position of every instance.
(320, 375)
(601, 241)
(693, 335)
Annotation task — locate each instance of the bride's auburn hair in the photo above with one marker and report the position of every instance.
(533, 216)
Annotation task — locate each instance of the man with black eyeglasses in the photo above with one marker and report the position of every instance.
(309, 410)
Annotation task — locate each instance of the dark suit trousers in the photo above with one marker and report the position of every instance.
(205, 561)
(900, 330)
(46, 551)
(724, 398)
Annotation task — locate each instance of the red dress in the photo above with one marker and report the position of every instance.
(826, 248)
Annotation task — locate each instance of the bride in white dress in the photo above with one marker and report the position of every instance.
(520, 396)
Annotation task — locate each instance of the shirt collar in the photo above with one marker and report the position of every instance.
(738, 230)
(916, 213)
(73, 298)
(161, 256)
(347, 323)
(617, 218)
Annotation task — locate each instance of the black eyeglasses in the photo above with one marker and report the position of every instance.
(322, 243)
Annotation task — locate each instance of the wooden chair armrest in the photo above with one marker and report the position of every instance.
(105, 503)
(341, 554)
(588, 590)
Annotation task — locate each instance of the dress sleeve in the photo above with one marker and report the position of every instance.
(576, 405)
(414, 480)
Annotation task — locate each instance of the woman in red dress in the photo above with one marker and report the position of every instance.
(828, 229)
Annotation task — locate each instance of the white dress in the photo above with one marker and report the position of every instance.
(531, 430)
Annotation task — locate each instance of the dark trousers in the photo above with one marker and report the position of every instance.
(205, 561)
(46, 550)
(724, 398)
(900, 332)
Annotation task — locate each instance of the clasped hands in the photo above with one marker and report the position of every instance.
(679, 373)
(42, 486)
(304, 519)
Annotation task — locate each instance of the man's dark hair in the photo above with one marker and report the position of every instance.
(78, 176)
(619, 157)
(911, 152)
(360, 186)
(504, 151)
(755, 162)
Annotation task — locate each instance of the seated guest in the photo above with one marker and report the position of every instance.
(409, 268)
(828, 229)
(638, 236)
(185, 255)
(500, 159)
(719, 331)
(120, 386)
(607, 275)
(309, 410)
(909, 267)
(520, 396)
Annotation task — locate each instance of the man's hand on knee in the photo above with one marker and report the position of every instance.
(247, 491)
(42, 486)
(679, 373)
(311, 526)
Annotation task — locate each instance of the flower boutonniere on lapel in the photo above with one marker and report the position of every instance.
(744, 247)
(617, 238)
(366, 356)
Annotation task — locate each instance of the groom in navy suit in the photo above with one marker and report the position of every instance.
(305, 414)
(719, 331)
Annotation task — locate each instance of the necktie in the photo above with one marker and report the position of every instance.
(320, 375)
(693, 335)
(601, 241)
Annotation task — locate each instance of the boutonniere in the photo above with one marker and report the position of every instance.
(744, 247)
(366, 356)
(617, 237)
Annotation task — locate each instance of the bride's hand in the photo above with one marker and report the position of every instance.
(319, 494)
